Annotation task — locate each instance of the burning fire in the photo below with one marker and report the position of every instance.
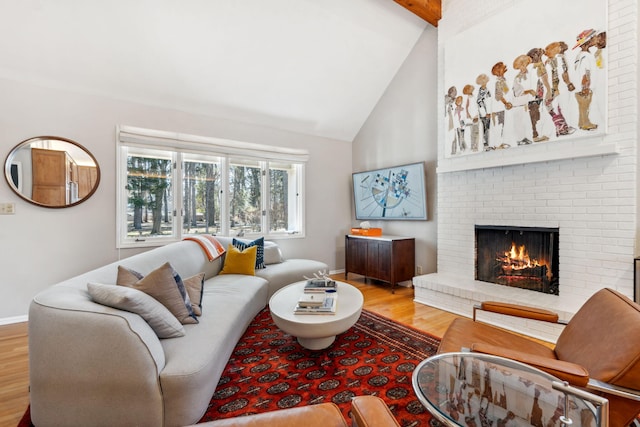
(518, 258)
(516, 262)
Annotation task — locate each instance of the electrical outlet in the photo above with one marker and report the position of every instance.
(418, 270)
(7, 208)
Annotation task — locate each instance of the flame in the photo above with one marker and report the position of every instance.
(518, 258)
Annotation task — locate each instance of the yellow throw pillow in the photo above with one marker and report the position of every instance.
(240, 262)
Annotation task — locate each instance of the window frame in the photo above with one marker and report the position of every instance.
(224, 150)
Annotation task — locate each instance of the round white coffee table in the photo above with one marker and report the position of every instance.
(315, 331)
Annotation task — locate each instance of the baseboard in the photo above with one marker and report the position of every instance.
(405, 284)
(15, 319)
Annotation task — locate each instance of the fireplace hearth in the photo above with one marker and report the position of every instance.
(522, 257)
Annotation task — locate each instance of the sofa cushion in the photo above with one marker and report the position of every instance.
(258, 243)
(159, 318)
(240, 261)
(163, 284)
(196, 361)
(272, 253)
(194, 286)
(290, 271)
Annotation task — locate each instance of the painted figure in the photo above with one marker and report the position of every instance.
(483, 101)
(523, 95)
(501, 104)
(542, 90)
(536, 410)
(507, 421)
(458, 121)
(600, 42)
(471, 117)
(449, 106)
(584, 65)
(552, 102)
(565, 67)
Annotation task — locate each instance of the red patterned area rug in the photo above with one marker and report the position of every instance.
(269, 370)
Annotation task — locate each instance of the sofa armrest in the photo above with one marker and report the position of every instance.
(566, 371)
(369, 411)
(518, 311)
(97, 358)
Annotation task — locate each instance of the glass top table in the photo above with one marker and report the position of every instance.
(474, 389)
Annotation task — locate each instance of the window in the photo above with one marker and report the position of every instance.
(284, 204)
(245, 196)
(174, 185)
(149, 194)
(202, 188)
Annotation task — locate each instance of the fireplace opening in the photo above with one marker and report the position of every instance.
(522, 257)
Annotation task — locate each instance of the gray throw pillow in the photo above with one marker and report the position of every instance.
(159, 318)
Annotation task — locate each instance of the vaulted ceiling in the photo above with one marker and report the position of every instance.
(316, 67)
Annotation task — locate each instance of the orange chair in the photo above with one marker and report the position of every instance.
(366, 411)
(598, 349)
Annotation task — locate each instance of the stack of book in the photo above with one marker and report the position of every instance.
(319, 297)
(320, 285)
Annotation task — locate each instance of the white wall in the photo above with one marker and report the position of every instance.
(402, 129)
(40, 246)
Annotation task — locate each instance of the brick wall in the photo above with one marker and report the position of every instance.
(592, 200)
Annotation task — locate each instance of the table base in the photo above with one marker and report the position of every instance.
(316, 343)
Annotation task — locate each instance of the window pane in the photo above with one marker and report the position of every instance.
(201, 195)
(245, 193)
(280, 180)
(149, 194)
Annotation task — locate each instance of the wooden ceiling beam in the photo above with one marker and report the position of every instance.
(429, 10)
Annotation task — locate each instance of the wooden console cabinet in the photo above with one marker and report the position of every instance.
(390, 259)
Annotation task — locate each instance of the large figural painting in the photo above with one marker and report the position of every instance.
(532, 74)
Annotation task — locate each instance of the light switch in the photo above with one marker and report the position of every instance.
(7, 208)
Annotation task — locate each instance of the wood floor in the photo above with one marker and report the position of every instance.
(14, 373)
(14, 368)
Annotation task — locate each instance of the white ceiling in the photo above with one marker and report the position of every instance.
(316, 67)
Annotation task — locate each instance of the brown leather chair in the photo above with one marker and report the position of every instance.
(598, 349)
(366, 411)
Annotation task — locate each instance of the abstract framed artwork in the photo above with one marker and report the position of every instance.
(396, 193)
(531, 74)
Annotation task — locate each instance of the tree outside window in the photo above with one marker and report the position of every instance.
(168, 194)
(245, 196)
(149, 178)
(201, 197)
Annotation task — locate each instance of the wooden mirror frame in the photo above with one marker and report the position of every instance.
(69, 175)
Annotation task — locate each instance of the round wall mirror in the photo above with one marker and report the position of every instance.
(52, 172)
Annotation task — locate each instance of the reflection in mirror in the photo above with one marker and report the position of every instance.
(52, 172)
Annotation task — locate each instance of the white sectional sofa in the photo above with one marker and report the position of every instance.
(91, 364)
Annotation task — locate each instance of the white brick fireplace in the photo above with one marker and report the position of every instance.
(586, 187)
